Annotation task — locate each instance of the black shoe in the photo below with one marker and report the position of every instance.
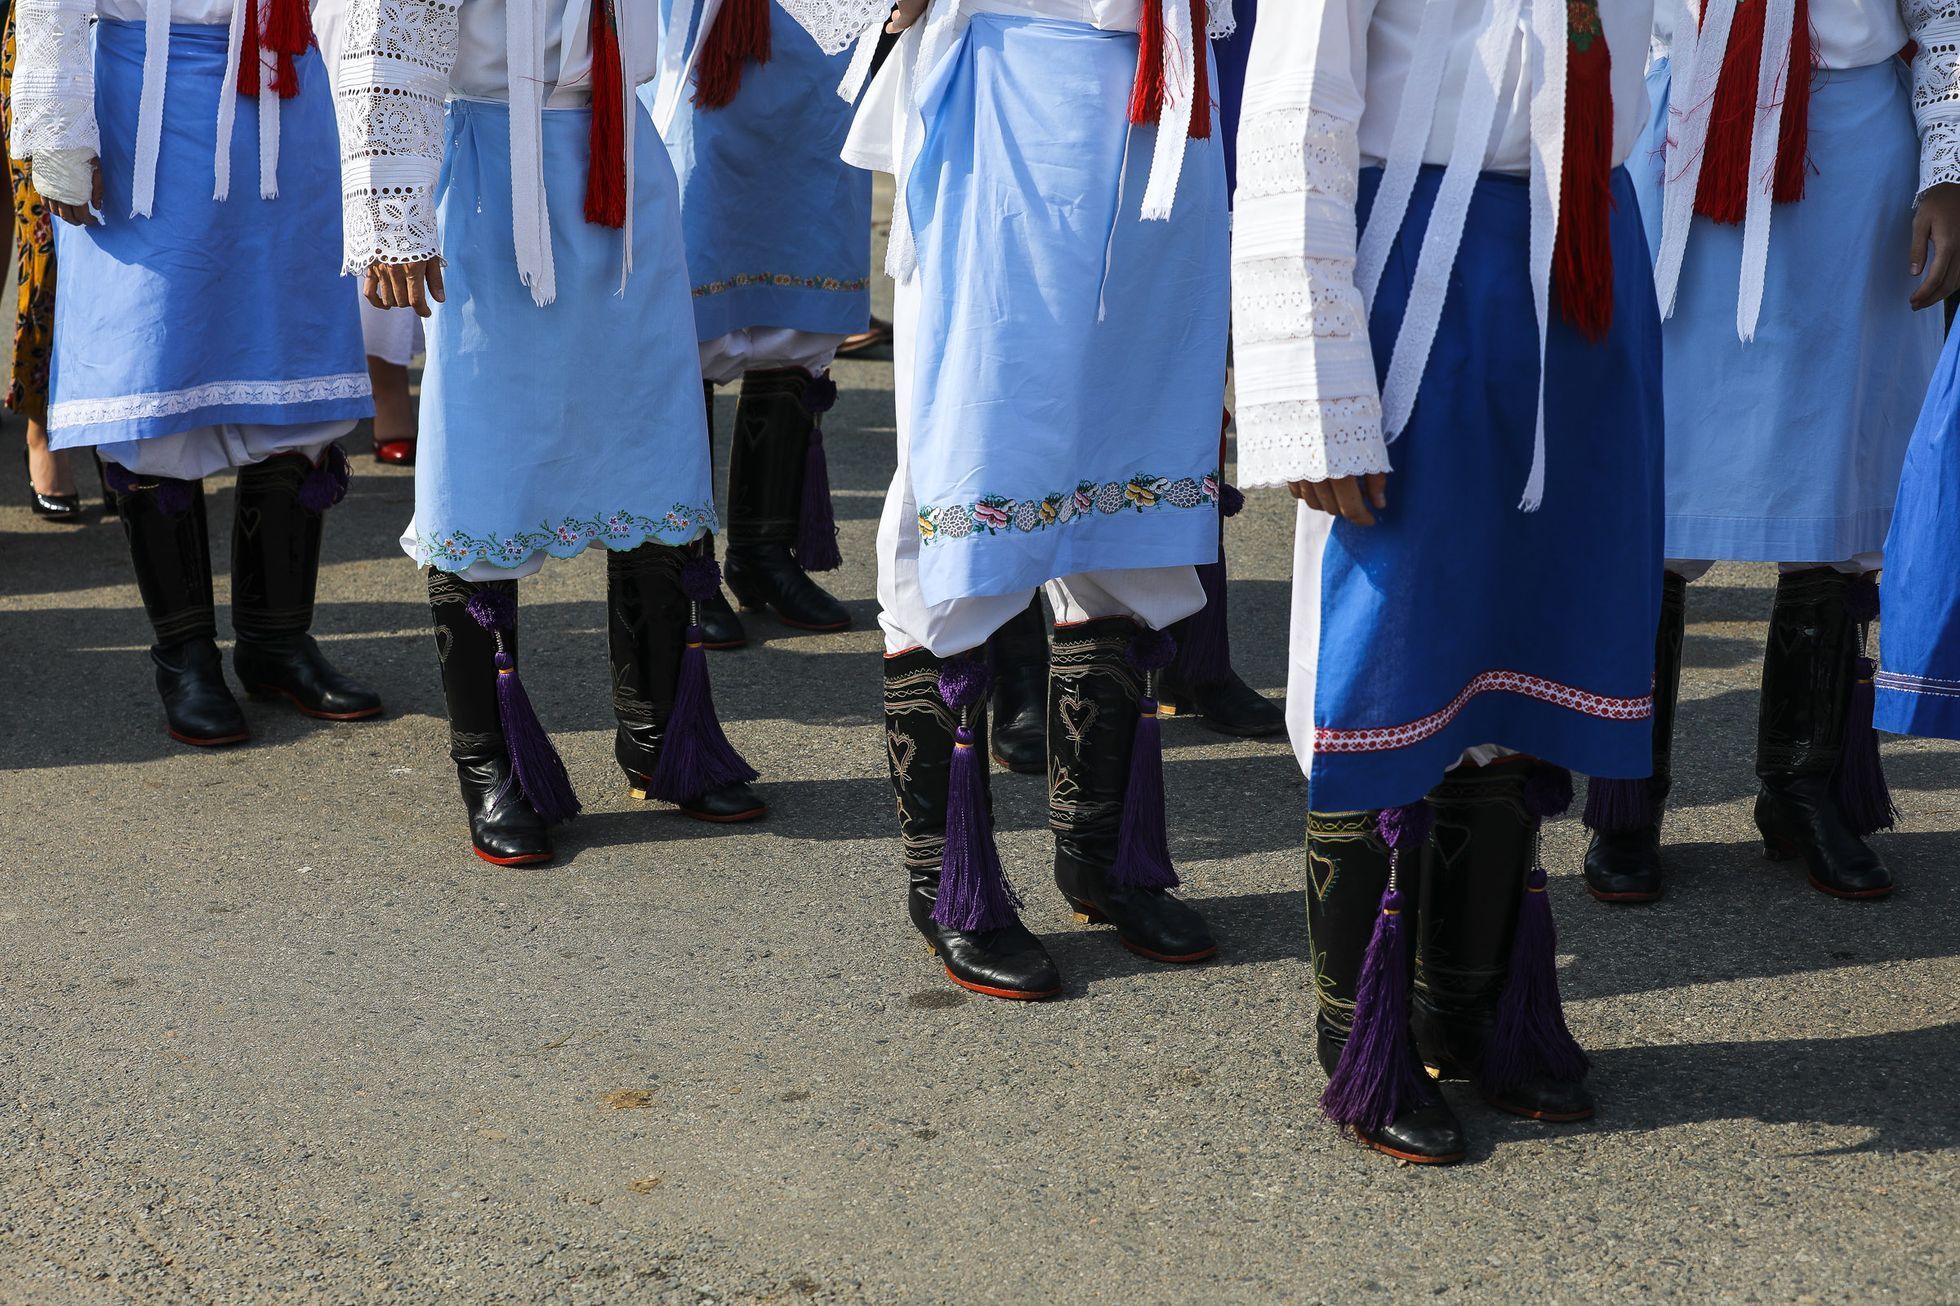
(1428, 1134)
(54, 507)
(1018, 653)
(504, 830)
(647, 616)
(1809, 673)
(1094, 697)
(1624, 866)
(1152, 923)
(766, 463)
(197, 703)
(721, 628)
(275, 571)
(1228, 706)
(1005, 963)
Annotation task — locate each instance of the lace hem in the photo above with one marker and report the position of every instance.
(216, 394)
(835, 24)
(1295, 151)
(53, 95)
(619, 531)
(1296, 299)
(1310, 440)
(395, 72)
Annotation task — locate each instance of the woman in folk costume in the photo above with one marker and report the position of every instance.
(1778, 178)
(561, 405)
(1465, 398)
(779, 252)
(392, 339)
(201, 325)
(1060, 245)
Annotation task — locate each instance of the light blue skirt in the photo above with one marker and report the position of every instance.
(1043, 440)
(1919, 641)
(545, 430)
(778, 226)
(204, 312)
(1788, 449)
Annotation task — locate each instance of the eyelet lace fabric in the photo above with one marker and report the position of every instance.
(834, 24)
(394, 79)
(54, 78)
(1935, 29)
(1308, 408)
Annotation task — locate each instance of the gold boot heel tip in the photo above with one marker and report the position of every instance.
(637, 794)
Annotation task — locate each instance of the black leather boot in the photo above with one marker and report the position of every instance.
(719, 624)
(1473, 880)
(1094, 695)
(504, 828)
(919, 741)
(275, 569)
(1228, 706)
(1624, 866)
(1018, 652)
(647, 617)
(169, 543)
(1808, 674)
(773, 423)
(1347, 871)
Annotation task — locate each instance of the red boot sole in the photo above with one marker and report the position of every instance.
(1622, 897)
(1011, 995)
(638, 793)
(218, 742)
(1410, 1158)
(272, 692)
(528, 859)
(1549, 1117)
(1849, 895)
(1091, 917)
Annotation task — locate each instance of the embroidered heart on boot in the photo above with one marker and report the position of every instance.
(1078, 717)
(900, 749)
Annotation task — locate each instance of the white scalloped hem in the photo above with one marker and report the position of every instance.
(620, 532)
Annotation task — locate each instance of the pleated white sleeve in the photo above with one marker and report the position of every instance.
(388, 91)
(1309, 407)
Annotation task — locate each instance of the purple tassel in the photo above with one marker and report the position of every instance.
(326, 485)
(1858, 783)
(172, 495)
(974, 893)
(819, 395)
(1204, 655)
(540, 771)
(695, 755)
(118, 478)
(1231, 500)
(1619, 806)
(1377, 1079)
(1530, 1038)
(1143, 845)
(816, 527)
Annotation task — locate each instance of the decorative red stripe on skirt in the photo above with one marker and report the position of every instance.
(1381, 739)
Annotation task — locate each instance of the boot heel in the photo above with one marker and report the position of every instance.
(1777, 850)
(1086, 913)
(746, 593)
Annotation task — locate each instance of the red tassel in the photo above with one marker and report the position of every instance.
(1147, 95)
(1723, 191)
(740, 34)
(605, 177)
(248, 54)
(1582, 258)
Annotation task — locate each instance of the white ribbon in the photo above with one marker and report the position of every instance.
(1180, 58)
(530, 215)
(1696, 67)
(268, 120)
(227, 101)
(631, 110)
(1405, 149)
(1550, 37)
(1773, 75)
(149, 110)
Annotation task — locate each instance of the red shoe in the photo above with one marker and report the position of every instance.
(400, 453)
(878, 336)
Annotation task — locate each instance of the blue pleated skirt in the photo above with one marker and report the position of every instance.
(1788, 449)
(1459, 620)
(547, 430)
(1919, 640)
(1045, 440)
(778, 226)
(204, 312)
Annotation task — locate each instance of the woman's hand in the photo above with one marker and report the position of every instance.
(1937, 219)
(405, 285)
(904, 14)
(80, 215)
(1346, 496)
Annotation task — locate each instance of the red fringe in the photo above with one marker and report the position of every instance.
(740, 33)
(605, 177)
(1147, 95)
(1723, 191)
(288, 34)
(248, 54)
(1582, 260)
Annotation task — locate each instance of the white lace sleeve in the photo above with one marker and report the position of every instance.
(388, 91)
(1309, 403)
(1935, 28)
(834, 24)
(54, 78)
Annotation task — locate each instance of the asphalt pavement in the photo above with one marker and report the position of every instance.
(272, 1034)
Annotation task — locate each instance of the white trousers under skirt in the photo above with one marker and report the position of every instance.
(757, 349)
(202, 451)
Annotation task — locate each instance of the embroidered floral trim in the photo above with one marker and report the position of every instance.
(997, 514)
(1327, 739)
(217, 394)
(1901, 683)
(780, 280)
(455, 550)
